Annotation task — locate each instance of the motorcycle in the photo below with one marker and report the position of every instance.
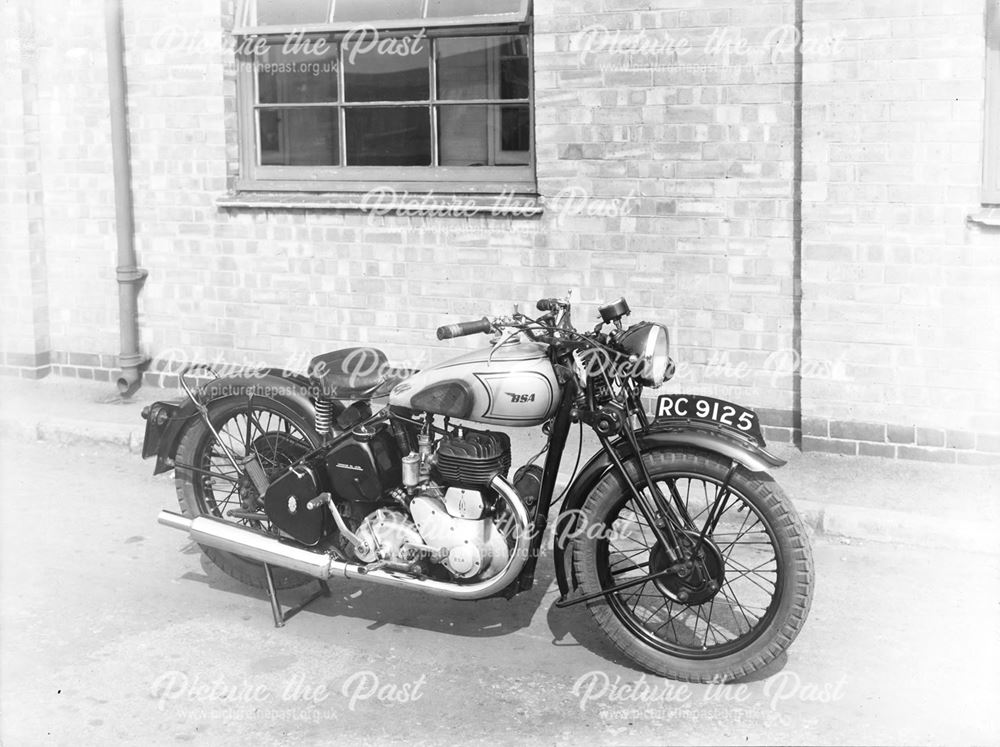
(688, 554)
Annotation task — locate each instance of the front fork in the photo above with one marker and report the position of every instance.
(653, 505)
(665, 519)
(660, 515)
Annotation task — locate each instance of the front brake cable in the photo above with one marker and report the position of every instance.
(501, 341)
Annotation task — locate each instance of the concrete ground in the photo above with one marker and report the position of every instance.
(114, 630)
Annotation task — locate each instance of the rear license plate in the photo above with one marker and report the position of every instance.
(709, 410)
(159, 416)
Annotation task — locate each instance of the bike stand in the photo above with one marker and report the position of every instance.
(280, 618)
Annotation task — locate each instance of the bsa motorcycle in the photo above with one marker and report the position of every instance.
(687, 553)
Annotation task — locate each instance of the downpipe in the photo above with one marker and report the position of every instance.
(239, 540)
(130, 277)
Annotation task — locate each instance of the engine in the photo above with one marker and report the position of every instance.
(452, 512)
(472, 458)
(432, 511)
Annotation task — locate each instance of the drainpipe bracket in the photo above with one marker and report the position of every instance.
(131, 275)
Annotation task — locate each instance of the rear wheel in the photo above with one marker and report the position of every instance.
(735, 608)
(208, 484)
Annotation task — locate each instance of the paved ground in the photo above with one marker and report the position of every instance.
(113, 631)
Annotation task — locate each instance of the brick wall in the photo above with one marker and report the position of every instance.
(897, 285)
(704, 140)
(694, 158)
(689, 152)
(75, 151)
(24, 328)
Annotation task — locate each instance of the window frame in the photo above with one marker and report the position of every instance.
(246, 12)
(255, 177)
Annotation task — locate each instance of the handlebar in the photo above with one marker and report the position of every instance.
(551, 328)
(462, 329)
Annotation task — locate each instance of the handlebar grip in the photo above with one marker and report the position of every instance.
(464, 328)
(547, 304)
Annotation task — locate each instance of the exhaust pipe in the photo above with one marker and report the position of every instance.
(239, 540)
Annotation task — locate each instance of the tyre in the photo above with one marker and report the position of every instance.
(279, 434)
(741, 603)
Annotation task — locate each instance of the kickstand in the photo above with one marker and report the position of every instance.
(280, 618)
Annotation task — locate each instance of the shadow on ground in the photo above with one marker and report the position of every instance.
(571, 627)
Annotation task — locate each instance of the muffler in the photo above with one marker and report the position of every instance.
(248, 543)
(239, 540)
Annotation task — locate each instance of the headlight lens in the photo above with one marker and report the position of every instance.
(649, 343)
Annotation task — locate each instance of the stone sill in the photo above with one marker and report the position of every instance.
(407, 206)
(988, 215)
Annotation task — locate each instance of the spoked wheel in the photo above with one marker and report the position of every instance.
(727, 611)
(208, 483)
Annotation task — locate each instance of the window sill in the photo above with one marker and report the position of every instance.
(988, 215)
(406, 205)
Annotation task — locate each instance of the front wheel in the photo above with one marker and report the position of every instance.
(737, 606)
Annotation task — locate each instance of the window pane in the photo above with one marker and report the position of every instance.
(388, 136)
(376, 10)
(462, 68)
(484, 67)
(483, 135)
(299, 137)
(514, 69)
(385, 70)
(464, 135)
(442, 8)
(287, 12)
(298, 77)
(515, 129)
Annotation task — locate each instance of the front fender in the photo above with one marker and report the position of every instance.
(661, 434)
(162, 441)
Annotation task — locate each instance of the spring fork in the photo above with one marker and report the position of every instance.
(654, 489)
(654, 511)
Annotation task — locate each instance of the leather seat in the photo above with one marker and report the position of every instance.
(350, 373)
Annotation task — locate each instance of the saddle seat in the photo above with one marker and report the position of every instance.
(349, 373)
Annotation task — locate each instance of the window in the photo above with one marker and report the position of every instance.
(991, 145)
(348, 95)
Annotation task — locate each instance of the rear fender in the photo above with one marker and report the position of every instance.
(663, 434)
(163, 440)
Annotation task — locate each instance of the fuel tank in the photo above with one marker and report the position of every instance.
(516, 386)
